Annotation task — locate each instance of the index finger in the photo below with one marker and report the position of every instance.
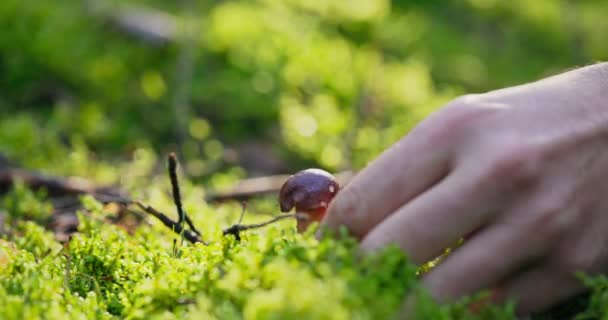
(408, 168)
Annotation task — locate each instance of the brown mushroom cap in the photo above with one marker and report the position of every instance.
(308, 190)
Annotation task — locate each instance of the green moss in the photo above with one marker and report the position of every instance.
(270, 274)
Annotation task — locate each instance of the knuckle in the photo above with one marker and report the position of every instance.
(453, 120)
(555, 215)
(547, 222)
(515, 163)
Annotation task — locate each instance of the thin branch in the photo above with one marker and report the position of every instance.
(191, 224)
(186, 43)
(265, 223)
(243, 209)
(237, 228)
(177, 197)
(177, 228)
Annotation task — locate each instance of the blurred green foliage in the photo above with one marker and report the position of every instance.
(325, 83)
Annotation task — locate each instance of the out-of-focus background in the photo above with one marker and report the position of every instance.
(104, 89)
(246, 88)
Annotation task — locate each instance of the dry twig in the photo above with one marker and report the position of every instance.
(237, 228)
(177, 197)
(261, 186)
(169, 223)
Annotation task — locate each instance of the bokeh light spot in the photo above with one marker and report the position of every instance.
(306, 125)
(199, 128)
(153, 85)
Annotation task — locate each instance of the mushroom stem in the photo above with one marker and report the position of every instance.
(305, 219)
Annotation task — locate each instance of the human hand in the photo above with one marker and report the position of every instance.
(521, 173)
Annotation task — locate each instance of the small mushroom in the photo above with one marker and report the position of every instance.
(309, 191)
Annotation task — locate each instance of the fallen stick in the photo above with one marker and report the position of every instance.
(58, 187)
(152, 26)
(255, 187)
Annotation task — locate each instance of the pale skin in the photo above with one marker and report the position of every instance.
(521, 172)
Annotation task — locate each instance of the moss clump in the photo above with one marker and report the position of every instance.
(275, 273)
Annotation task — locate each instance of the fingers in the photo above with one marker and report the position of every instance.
(398, 175)
(540, 288)
(409, 167)
(483, 262)
(413, 165)
(436, 219)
